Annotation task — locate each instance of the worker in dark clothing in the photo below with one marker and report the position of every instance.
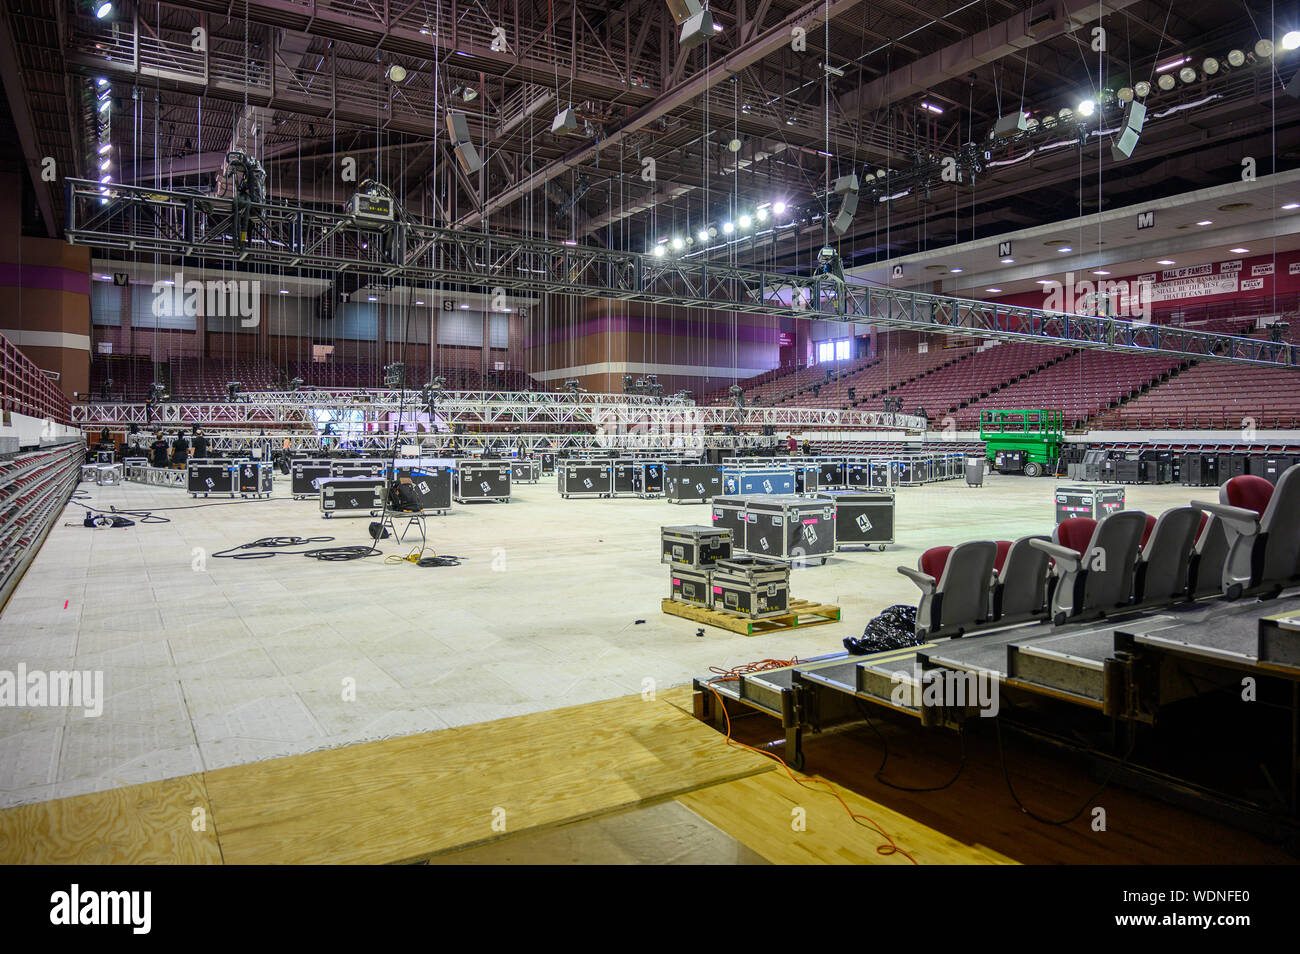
(791, 446)
(158, 450)
(180, 449)
(807, 448)
(199, 443)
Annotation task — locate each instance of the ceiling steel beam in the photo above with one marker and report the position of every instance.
(16, 91)
(809, 16)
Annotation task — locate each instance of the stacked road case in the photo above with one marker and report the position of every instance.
(862, 519)
(586, 478)
(692, 483)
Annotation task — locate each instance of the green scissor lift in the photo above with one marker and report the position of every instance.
(1019, 441)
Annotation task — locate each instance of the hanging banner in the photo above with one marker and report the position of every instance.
(1194, 287)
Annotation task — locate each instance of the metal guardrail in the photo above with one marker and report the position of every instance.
(148, 221)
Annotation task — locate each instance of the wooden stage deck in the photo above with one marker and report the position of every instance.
(466, 790)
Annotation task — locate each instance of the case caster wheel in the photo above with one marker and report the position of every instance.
(798, 761)
(880, 547)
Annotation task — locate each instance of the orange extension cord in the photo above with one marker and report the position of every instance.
(889, 847)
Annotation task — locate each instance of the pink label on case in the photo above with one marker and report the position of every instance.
(676, 582)
(810, 520)
(717, 589)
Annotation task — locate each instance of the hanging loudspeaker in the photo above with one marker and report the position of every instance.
(458, 130)
(847, 186)
(1134, 115)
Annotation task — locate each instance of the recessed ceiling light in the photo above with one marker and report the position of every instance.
(419, 303)
(1291, 205)
(1065, 248)
(957, 271)
(284, 291)
(1165, 261)
(1238, 251)
(371, 298)
(1044, 281)
(464, 306)
(1008, 261)
(1205, 222)
(1101, 271)
(993, 290)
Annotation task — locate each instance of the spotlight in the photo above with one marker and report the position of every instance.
(102, 8)
(1125, 94)
(1264, 49)
(677, 243)
(1210, 65)
(713, 231)
(469, 93)
(1166, 82)
(659, 251)
(106, 147)
(1236, 58)
(1065, 113)
(1142, 88)
(778, 208)
(745, 221)
(1290, 40)
(1087, 107)
(1187, 74)
(728, 228)
(397, 74)
(704, 235)
(761, 215)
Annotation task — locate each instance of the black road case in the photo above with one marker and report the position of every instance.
(482, 480)
(729, 514)
(432, 487)
(651, 478)
(862, 519)
(830, 473)
(790, 528)
(694, 545)
(207, 476)
(751, 587)
(692, 586)
(692, 483)
(255, 478)
(303, 474)
(352, 495)
(586, 478)
(857, 474)
(806, 478)
(358, 467)
(627, 478)
(525, 470)
(1094, 502)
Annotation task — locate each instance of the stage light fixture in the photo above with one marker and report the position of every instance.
(105, 147)
(704, 235)
(397, 74)
(713, 231)
(659, 251)
(1210, 65)
(1166, 82)
(1187, 74)
(1125, 94)
(1236, 58)
(677, 243)
(728, 228)
(1290, 40)
(1264, 49)
(761, 215)
(1142, 88)
(745, 221)
(102, 8)
(1087, 107)
(778, 208)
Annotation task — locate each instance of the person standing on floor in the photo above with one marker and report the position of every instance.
(158, 450)
(199, 443)
(180, 449)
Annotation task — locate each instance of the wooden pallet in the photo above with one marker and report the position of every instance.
(802, 613)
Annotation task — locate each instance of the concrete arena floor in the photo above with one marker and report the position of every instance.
(211, 662)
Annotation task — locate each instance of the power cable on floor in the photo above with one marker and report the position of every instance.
(878, 775)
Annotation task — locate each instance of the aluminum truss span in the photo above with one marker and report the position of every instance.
(605, 414)
(289, 238)
(442, 444)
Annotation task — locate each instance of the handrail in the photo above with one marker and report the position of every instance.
(26, 389)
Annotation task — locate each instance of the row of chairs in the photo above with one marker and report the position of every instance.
(1246, 544)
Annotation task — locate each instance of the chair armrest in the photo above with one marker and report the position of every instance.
(1245, 522)
(1066, 559)
(925, 581)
